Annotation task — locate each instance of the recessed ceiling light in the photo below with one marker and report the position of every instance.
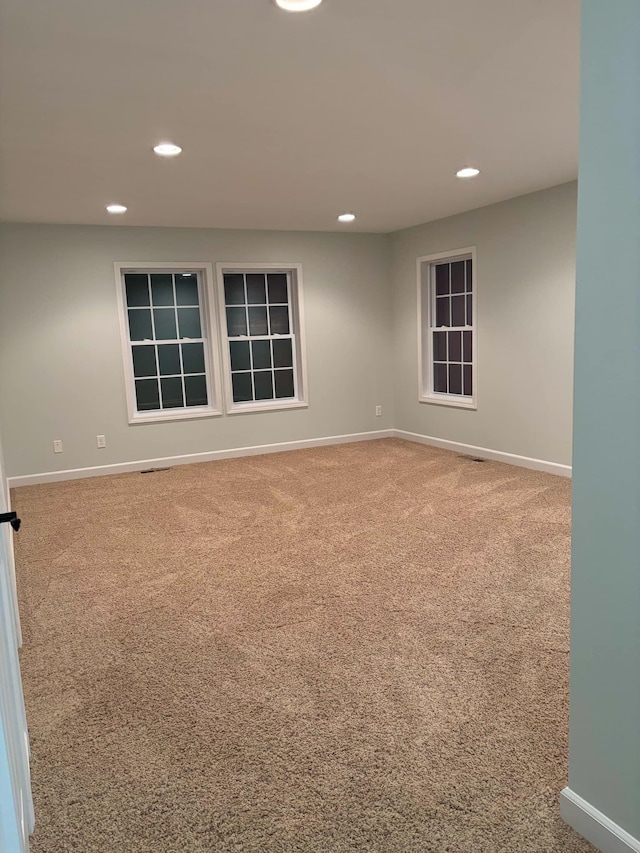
(467, 172)
(116, 208)
(346, 217)
(298, 5)
(167, 149)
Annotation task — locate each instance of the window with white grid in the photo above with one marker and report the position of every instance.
(168, 355)
(448, 331)
(264, 349)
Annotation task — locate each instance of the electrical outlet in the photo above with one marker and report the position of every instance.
(378, 411)
(101, 441)
(57, 445)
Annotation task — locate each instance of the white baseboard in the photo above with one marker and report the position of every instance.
(596, 827)
(212, 455)
(486, 453)
(208, 456)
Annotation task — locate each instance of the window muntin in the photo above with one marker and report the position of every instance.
(263, 337)
(448, 333)
(166, 333)
(452, 327)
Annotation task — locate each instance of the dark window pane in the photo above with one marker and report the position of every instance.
(279, 320)
(440, 378)
(442, 311)
(172, 393)
(189, 322)
(169, 359)
(140, 325)
(263, 382)
(256, 290)
(439, 346)
(187, 289)
(261, 351)
(258, 321)
(469, 311)
(241, 387)
(196, 390)
(455, 379)
(277, 282)
(193, 358)
(468, 382)
(239, 351)
(457, 277)
(469, 276)
(137, 287)
(162, 289)
(457, 311)
(236, 322)
(284, 383)
(455, 346)
(467, 348)
(442, 279)
(147, 397)
(144, 361)
(282, 353)
(234, 289)
(165, 323)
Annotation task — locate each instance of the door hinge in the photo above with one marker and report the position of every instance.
(11, 518)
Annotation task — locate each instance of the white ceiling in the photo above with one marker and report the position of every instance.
(285, 119)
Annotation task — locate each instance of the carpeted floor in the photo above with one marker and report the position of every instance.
(352, 648)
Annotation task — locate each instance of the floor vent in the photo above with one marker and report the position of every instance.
(154, 470)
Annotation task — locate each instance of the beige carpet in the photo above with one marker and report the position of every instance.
(353, 648)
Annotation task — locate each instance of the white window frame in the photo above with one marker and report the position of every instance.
(426, 312)
(296, 302)
(204, 272)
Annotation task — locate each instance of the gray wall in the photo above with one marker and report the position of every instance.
(604, 766)
(526, 285)
(62, 374)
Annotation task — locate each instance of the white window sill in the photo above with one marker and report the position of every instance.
(267, 406)
(451, 400)
(158, 416)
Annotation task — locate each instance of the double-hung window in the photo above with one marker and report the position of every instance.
(167, 340)
(263, 336)
(447, 334)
